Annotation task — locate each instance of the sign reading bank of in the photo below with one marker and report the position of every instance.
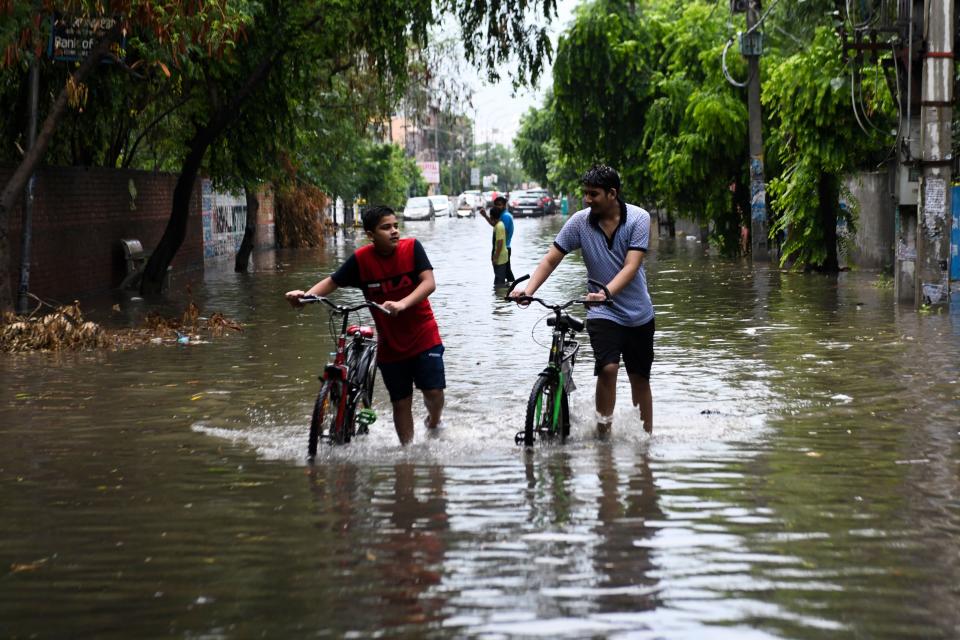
(73, 38)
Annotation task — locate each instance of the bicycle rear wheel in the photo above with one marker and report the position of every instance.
(544, 417)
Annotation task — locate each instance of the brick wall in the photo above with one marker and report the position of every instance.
(80, 215)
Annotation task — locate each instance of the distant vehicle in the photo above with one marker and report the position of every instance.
(441, 205)
(418, 208)
(526, 204)
(468, 203)
(490, 196)
(549, 204)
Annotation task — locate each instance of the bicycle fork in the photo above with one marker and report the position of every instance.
(557, 397)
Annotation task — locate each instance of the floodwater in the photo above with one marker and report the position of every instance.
(802, 480)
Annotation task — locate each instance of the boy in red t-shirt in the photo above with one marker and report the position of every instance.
(397, 274)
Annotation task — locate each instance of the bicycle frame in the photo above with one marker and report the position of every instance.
(560, 365)
(555, 381)
(347, 371)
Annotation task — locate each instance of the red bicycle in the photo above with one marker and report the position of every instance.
(347, 381)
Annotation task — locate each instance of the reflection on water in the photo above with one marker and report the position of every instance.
(802, 481)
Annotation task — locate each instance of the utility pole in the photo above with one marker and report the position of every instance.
(26, 231)
(936, 111)
(751, 47)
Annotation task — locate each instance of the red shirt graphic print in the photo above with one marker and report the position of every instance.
(393, 277)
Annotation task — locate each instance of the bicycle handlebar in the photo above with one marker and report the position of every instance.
(556, 307)
(366, 304)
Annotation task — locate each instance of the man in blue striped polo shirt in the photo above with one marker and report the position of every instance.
(612, 237)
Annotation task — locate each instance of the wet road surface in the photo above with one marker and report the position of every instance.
(801, 482)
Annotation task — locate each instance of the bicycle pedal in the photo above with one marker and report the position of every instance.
(366, 417)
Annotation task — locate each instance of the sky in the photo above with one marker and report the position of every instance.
(498, 110)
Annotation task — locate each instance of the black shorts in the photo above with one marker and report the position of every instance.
(610, 340)
(424, 370)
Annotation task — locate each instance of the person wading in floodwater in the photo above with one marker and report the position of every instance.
(612, 237)
(397, 274)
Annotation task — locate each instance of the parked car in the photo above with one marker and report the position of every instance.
(418, 208)
(549, 204)
(525, 204)
(441, 205)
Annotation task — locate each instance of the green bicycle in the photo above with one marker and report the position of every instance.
(548, 409)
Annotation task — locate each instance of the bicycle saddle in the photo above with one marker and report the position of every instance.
(366, 332)
(574, 323)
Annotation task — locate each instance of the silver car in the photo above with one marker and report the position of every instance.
(441, 205)
(418, 208)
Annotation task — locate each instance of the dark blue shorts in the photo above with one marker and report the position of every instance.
(424, 370)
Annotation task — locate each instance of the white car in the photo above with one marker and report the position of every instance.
(418, 208)
(441, 205)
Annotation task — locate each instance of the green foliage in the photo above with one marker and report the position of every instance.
(602, 87)
(815, 135)
(532, 143)
(387, 176)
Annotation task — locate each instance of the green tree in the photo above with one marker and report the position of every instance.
(172, 30)
(816, 137)
(388, 176)
(222, 59)
(695, 135)
(533, 143)
(603, 88)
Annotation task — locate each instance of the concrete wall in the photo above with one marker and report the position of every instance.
(79, 216)
(873, 246)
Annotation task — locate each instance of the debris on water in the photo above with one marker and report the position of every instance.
(65, 329)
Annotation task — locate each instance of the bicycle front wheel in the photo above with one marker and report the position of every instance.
(324, 422)
(547, 411)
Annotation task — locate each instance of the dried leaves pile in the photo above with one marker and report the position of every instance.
(64, 329)
(300, 216)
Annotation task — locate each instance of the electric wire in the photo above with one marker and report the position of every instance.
(853, 99)
(726, 47)
(726, 73)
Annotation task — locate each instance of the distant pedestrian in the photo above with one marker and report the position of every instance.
(499, 256)
(500, 206)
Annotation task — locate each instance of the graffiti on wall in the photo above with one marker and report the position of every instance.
(224, 219)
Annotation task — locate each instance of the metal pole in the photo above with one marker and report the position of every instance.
(759, 226)
(26, 231)
(436, 146)
(936, 111)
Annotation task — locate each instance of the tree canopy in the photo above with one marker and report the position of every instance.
(641, 86)
(228, 88)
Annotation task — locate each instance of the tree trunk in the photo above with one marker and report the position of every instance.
(829, 195)
(249, 230)
(154, 274)
(13, 190)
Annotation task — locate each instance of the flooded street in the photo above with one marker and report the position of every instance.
(803, 479)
